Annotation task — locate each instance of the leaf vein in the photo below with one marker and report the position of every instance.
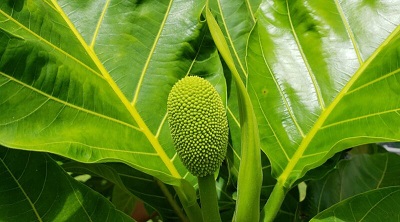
(270, 126)
(325, 114)
(44, 180)
(376, 204)
(383, 173)
(284, 99)
(304, 57)
(234, 152)
(51, 44)
(397, 71)
(153, 48)
(349, 31)
(95, 34)
(90, 146)
(231, 41)
(77, 197)
(233, 117)
(359, 117)
(22, 190)
(50, 97)
(250, 10)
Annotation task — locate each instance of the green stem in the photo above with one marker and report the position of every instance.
(208, 199)
(171, 200)
(248, 195)
(274, 203)
(189, 202)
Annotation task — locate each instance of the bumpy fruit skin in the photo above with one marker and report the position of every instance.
(198, 124)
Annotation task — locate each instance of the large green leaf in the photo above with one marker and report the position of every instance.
(319, 73)
(359, 174)
(378, 205)
(89, 80)
(40, 190)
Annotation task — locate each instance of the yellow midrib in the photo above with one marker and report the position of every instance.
(321, 120)
(132, 110)
(48, 43)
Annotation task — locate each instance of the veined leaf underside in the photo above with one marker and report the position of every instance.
(136, 116)
(141, 126)
(137, 91)
(310, 72)
(349, 31)
(320, 123)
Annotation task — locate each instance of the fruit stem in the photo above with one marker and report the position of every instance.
(208, 199)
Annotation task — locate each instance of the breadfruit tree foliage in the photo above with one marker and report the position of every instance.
(306, 84)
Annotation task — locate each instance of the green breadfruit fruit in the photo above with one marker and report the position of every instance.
(198, 124)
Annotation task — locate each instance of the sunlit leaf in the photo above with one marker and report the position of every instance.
(71, 93)
(318, 77)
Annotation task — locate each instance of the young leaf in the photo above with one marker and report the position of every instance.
(40, 190)
(247, 206)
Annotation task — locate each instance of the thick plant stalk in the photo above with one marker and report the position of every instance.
(208, 199)
(248, 202)
(274, 203)
(191, 207)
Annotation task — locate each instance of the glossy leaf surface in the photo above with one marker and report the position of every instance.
(88, 80)
(317, 80)
(67, 79)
